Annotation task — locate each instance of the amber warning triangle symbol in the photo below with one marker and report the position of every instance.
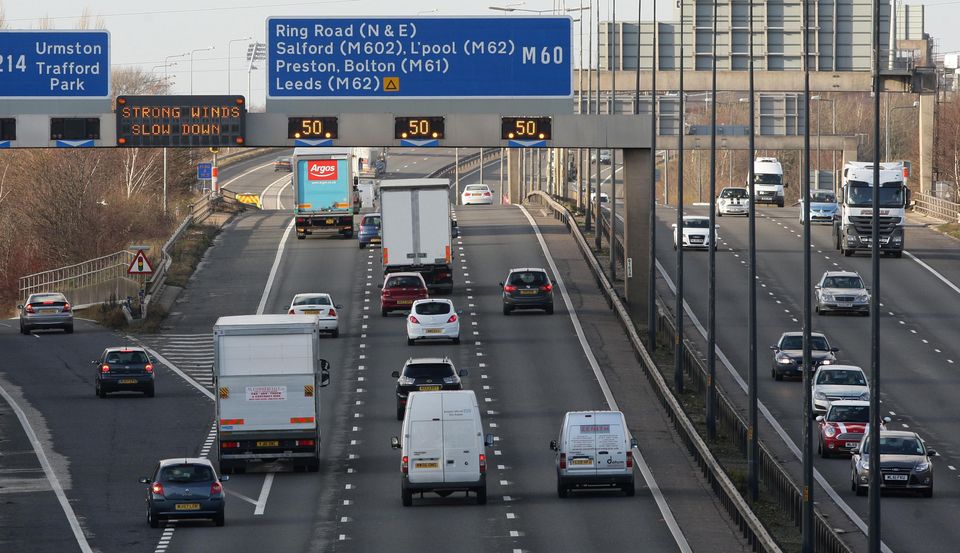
(391, 84)
(140, 265)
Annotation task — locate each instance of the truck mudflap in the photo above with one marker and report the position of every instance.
(240, 449)
(439, 278)
(307, 225)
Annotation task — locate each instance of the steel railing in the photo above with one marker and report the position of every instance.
(938, 208)
(785, 492)
(86, 274)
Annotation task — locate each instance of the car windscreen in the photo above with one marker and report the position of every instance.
(404, 282)
(734, 193)
(817, 343)
(433, 308)
(843, 282)
(371, 221)
(40, 298)
(127, 357)
(428, 370)
(528, 278)
(767, 178)
(186, 473)
(849, 413)
(312, 300)
(696, 223)
(823, 197)
(898, 445)
(841, 378)
(476, 188)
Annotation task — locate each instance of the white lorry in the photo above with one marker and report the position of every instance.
(768, 181)
(268, 376)
(415, 228)
(853, 227)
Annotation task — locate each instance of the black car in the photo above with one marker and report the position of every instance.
(425, 375)
(184, 488)
(124, 369)
(788, 354)
(527, 288)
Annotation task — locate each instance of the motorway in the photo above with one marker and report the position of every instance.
(919, 350)
(527, 371)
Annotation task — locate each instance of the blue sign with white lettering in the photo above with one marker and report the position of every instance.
(428, 57)
(54, 64)
(204, 171)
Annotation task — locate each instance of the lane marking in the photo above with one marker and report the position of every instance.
(241, 497)
(280, 191)
(264, 493)
(49, 473)
(641, 463)
(240, 176)
(933, 271)
(273, 270)
(271, 185)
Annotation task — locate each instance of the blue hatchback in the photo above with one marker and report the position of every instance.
(369, 230)
(183, 489)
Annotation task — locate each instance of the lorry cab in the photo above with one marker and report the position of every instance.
(594, 450)
(768, 181)
(853, 227)
(443, 449)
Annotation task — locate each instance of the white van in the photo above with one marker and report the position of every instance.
(768, 181)
(443, 447)
(594, 450)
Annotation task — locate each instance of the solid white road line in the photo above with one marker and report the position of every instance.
(273, 270)
(182, 374)
(271, 185)
(240, 176)
(264, 493)
(933, 271)
(280, 191)
(608, 395)
(49, 473)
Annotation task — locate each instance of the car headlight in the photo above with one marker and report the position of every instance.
(819, 395)
(923, 466)
(784, 360)
(826, 362)
(863, 297)
(830, 431)
(865, 396)
(450, 380)
(826, 297)
(405, 381)
(864, 464)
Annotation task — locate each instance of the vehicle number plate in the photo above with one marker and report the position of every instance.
(48, 310)
(581, 462)
(188, 507)
(852, 445)
(128, 381)
(528, 292)
(434, 330)
(310, 312)
(268, 443)
(374, 240)
(404, 302)
(845, 304)
(426, 465)
(895, 476)
(428, 388)
(329, 221)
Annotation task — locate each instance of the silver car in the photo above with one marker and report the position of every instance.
(904, 463)
(46, 310)
(842, 292)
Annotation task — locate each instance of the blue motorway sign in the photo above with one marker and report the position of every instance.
(55, 64)
(204, 171)
(427, 57)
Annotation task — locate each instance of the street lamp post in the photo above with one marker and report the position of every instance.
(229, 44)
(192, 52)
(256, 51)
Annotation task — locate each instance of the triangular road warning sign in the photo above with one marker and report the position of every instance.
(140, 265)
(391, 84)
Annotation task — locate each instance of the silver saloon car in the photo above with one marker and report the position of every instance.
(46, 310)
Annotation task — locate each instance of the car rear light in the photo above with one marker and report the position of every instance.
(405, 465)
(483, 463)
(305, 443)
(66, 307)
(216, 489)
(629, 459)
(509, 288)
(48, 302)
(413, 320)
(104, 368)
(291, 312)
(386, 293)
(486, 194)
(301, 219)
(547, 287)
(229, 445)
(452, 319)
(148, 368)
(156, 488)
(29, 308)
(563, 460)
(332, 313)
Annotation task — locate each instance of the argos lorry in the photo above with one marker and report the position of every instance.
(415, 228)
(853, 227)
(268, 375)
(324, 190)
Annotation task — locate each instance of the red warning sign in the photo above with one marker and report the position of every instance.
(140, 265)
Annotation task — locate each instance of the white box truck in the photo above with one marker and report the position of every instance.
(268, 375)
(415, 227)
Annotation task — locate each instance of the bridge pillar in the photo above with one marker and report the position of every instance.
(636, 223)
(928, 104)
(513, 177)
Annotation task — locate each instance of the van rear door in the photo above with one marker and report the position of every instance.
(461, 461)
(426, 451)
(581, 447)
(611, 444)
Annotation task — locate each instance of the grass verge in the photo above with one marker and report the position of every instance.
(188, 251)
(950, 229)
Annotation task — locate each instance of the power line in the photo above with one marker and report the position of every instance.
(194, 10)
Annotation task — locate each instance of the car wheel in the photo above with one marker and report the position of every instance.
(898, 255)
(456, 341)
(719, 213)
(68, 329)
(362, 245)
(220, 519)
(816, 309)
(822, 450)
(301, 237)
(482, 495)
(101, 393)
(24, 330)
(629, 489)
(550, 309)
(152, 520)
(149, 392)
(313, 465)
(406, 496)
(861, 490)
(400, 413)
(928, 492)
(336, 333)
(383, 312)
(846, 252)
(777, 375)
(562, 490)
(410, 341)
(506, 310)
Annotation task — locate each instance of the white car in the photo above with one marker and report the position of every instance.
(321, 305)
(696, 232)
(838, 382)
(733, 201)
(476, 194)
(433, 318)
(604, 198)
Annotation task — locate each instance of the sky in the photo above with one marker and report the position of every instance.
(144, 34)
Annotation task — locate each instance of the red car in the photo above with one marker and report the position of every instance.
(844, 425)
(400, 290)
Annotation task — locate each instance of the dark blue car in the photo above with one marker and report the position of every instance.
(369, 230)
(184, 488)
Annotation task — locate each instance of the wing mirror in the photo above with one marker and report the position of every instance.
(395, 442)
(931, 452)
(501, 285)
(339, 306)
(887, 419)
(774, 348)
(674, 225)
(225, 478)
(143, 480)
(553, 445)
(20, 306)
(95, 362)
(633, 443)
(488, 440)
(835, 350)
(395, 374)
(464, 372)
(819, 418)
(324, 373)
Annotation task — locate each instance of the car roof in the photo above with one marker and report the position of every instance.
(373, 214)
(849, 403)
(426, 360)
(733, 188)
(840, 273)
(526, 269)
(898, 434)
(840, 368)
(46, 294)
(433, 300)
(125, 348)
(800, 333)
(311, 294)
(479, 184)
(185, 461)
(695, 218)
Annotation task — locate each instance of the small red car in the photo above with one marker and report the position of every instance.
(400, 290)
(843, 426)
